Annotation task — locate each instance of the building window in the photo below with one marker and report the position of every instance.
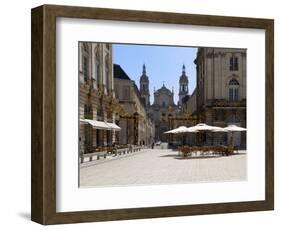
(97, 62)
(107, 75)
(233, 63)
(233, 118)
(126, 93)
(85, 61)
(233, 90)
(88, 111)
(107, 79)
(219, 115)
(99, 113)
(86, 68)
(109, 116)
(163, 104)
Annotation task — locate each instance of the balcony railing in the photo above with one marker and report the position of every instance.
(226, 103)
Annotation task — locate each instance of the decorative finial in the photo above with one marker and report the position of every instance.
(172, 89)
(154, 89)
(143, 69)
(183, 68)
(163, 83)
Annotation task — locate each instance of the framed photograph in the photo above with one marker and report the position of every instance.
(140, 114)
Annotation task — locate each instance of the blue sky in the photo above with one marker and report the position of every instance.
(163, 63)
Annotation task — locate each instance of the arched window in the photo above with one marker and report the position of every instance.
(233, 90)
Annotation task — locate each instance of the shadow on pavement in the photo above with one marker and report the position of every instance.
(190, 158)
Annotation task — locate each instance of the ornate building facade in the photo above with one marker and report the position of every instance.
(221, 91)
(144, 87)
(97, 101)
(164, 112)
(136, 126)
(183, 87)
(161, 111)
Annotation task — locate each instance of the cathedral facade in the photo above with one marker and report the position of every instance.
(164, 112)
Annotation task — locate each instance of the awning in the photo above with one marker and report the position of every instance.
(83, 121)
(113, 126)
(100, 124)
(96, 124)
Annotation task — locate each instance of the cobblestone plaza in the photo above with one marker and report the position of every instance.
(162, 166)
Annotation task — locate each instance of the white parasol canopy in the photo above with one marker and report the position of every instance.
(181, 129)
(234, 128)
(205, 127)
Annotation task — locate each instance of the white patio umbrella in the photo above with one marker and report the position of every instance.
(234, 128)
(170, 131)
(205, 127)
(180, 130)
(202, 127)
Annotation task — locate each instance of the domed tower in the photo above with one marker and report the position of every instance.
(144, 86)
(183, 90)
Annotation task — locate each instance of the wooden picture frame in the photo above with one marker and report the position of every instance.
(43, 207)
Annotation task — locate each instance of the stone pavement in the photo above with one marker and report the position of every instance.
(162, 166)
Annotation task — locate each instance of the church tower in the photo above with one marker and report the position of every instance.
(144, 86)
(183, 90)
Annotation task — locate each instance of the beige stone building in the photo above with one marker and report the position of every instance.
(164, 112)
(183, 87)
(97, 101)
(136, 126)
(189, 105)
(161, 111)
(221, 91)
